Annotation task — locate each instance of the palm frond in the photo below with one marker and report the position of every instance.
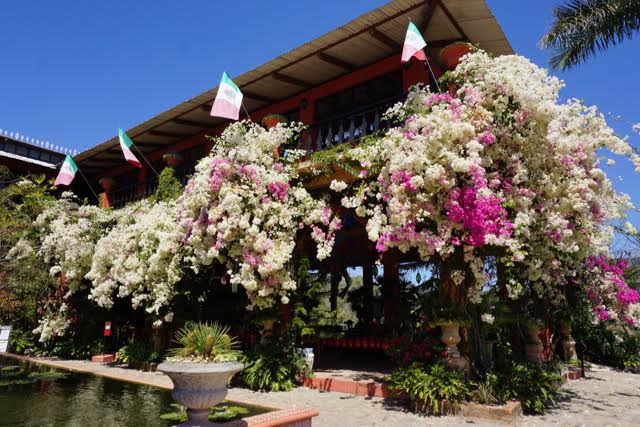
(581, 28)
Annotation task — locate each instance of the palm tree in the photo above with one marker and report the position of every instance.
(583, 27)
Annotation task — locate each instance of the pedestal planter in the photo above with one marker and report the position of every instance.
(199, 386)
(451, 337)
(534, 344)
(568, 343)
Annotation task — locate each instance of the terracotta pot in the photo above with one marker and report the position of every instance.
(172, 159)
(452, 54)
(107, 183)
(271, 120)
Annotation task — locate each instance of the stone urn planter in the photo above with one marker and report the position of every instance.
(199, 386)
(451, 338)
(534, 345)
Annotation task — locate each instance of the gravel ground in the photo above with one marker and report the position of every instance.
(605, 398)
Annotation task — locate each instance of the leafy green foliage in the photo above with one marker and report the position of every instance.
(136, 352)
(23, 281)
(535, 386)
(272, 367)
(429, 387)
(223, 412)
(209, 342)
(583, 27)
(169, 187)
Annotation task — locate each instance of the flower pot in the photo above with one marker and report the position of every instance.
(271, 120)
(452, 54)
(199, 386)
(107, 183)
(451, 337)
(172, 159)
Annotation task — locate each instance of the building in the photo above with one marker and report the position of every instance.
(22, 155)
(338, 84)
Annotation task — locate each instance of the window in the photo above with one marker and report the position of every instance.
(359, 96)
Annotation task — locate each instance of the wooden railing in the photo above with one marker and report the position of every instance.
(146, 188)
(348, 127)
(321, 135)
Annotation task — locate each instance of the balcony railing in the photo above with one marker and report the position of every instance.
(321, 135)
(146, 188)
(350, 126)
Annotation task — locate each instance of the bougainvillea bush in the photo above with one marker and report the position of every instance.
(495, 166)
(244, 208)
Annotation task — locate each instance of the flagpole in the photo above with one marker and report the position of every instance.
(426, 60)
(90, 188)
(246, 112)
(145, 159)
(432, 74)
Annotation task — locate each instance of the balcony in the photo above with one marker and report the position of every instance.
(349, 127)
(321, 135)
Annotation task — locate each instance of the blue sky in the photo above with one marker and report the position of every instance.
(72, 72)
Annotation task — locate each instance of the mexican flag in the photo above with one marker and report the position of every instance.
(413, 44)
(67, 172)
(228, 99)
(126, 144)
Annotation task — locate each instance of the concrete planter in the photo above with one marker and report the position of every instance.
(199, 386)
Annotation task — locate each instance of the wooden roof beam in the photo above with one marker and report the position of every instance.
(192, 123)
(384, 39)
(167, 134)
(454, 21)
(333, 60)
(291, 80)
(258, 97)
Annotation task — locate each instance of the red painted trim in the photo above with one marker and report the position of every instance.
(370, 389)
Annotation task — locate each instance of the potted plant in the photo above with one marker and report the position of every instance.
(452, 54)
(172, 159)
(271, 120)
(200, 368)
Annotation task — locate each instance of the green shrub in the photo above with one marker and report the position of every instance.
(136, 352)
(535, 386)
(270, 367)
(204, 342)
(429, 386)
(169, 187)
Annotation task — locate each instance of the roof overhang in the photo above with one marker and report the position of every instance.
(363, 41)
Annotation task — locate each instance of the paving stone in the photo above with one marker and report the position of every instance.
(606, 397)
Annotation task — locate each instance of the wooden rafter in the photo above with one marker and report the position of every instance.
(454, 21)
(257, 97)
(333, 60)
(192, 123)
(167, 134)
(384, 39)
(291, 80)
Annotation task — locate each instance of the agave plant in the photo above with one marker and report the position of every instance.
(207, 342)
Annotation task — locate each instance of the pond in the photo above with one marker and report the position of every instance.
(36, 395)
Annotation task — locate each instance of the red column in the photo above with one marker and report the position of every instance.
(307, 116)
